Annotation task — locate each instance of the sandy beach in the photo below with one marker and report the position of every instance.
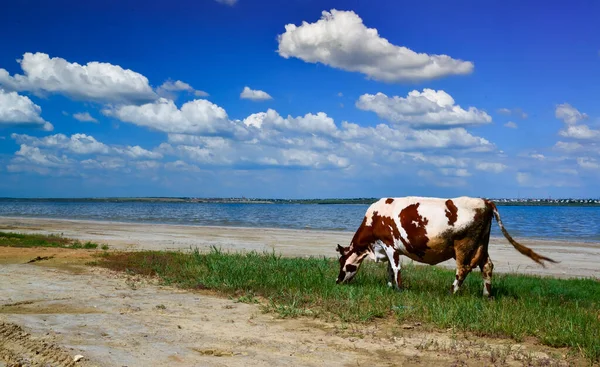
(52, 311)
(576, 259)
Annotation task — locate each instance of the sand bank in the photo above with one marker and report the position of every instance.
(48, 315)
(577, 259)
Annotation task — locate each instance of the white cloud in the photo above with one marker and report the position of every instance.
(17, 110)
(511, 125)
(523, 178)
(582, 132)
(180, 165)
(107, 163)
(588, 163)
(568, 146)
(383, 136)
(309, 123)
(177, 85)
(94, 81)
(199, 122)
(567, 171)
(137, 152)
(146, 165)
(77, 143)
(84, 117)
(341, 40)
(254, 95)
(460, 172)
(195, 117)
(439, 161)
(227, 2)
(453, 138)
(84, 145)
(569, 114)
(168, 89)
(201, 133)
(539, 157)
(59, 155)
(34, 154)
(490, 167)
(305, 158)
(32, 159)
(514, 112)
(314, 141)
(421, 109)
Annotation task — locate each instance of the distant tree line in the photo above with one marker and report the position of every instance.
(243, 200)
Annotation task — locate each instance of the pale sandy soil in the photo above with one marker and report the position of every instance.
(63, 309)
(53, 310)
(577, 259)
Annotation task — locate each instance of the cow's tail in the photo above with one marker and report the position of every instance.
(522, 249)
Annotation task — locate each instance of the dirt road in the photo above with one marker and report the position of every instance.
(63, 309)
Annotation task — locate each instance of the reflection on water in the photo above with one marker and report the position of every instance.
(572, 223)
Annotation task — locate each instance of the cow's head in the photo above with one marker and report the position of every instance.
(349, 263)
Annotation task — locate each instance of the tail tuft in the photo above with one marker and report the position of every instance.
(522, 249)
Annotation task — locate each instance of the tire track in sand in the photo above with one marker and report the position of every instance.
(19, 348)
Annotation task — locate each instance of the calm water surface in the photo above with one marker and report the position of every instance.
(573, 223)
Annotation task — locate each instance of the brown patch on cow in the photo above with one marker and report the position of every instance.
(362, 236)
(396, 258)
(389, 201)
(399, 279)
(488, 287)
(439, 249)
(414, 225)
(451, 212)
(351, 268)
(480, 214)
(384, 229)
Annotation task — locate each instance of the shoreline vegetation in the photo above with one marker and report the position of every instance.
(242, 200)
(556, 312)
(12, 239)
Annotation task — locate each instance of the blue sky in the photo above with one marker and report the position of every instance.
(260, 99)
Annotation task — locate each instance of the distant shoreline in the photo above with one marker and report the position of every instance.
(363, 201)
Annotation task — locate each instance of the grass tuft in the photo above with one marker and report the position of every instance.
(559, 312)
(11, 239)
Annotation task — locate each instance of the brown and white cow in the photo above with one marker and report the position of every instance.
(427, 230)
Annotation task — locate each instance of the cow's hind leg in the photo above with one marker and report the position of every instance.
(486, 272)
(461, 273)
(468, 256)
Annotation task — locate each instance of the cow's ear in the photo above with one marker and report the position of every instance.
(340, 249)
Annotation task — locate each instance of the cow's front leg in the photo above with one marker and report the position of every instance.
(394, 271)
(390, 274)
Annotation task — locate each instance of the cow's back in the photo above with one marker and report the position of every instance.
(436, 215)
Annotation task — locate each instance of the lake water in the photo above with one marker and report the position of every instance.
(549, 222)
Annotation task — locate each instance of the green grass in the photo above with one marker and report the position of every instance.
(559, 312)
(10, 239)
